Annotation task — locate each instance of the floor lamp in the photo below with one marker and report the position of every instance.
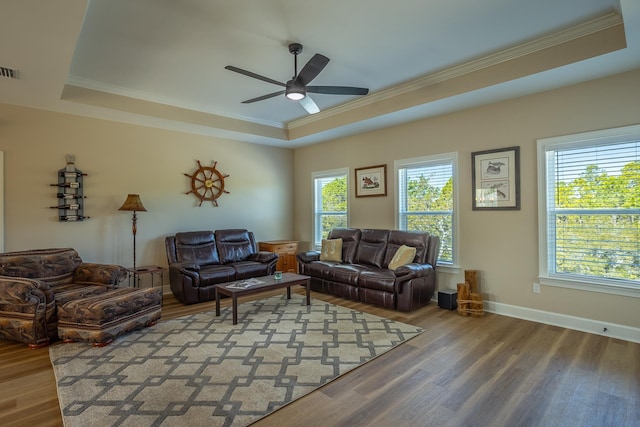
(134, 205)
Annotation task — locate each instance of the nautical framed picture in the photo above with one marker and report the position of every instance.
(371, 181)
(496, 179)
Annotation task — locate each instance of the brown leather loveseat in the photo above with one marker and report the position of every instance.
(362, 270)
(200, 260)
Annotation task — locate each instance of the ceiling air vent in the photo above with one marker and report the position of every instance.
(8, 72)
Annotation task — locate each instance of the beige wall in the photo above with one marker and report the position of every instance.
(501, 244)
(121, 159)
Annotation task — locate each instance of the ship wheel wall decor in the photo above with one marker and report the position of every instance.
(207, 183)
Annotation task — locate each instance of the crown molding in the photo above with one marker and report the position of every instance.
(146, 96)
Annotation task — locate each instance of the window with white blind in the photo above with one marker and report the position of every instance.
(330, 201)
(427, 199)
(589, 210)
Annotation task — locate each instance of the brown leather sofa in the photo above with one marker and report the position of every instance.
(200, 260)
(34, 283)
(363, 273)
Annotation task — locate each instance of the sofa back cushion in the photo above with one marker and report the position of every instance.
(350, 239)
(53, 266)
(372, 247)
(414, 239)
(235, 245)
(198, 247)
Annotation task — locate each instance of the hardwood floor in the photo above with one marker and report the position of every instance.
(463, 371)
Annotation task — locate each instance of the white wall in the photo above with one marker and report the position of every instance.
(502, 245)
(120, 159)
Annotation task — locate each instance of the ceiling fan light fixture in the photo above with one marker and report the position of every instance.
(295, 93)
(295, 96)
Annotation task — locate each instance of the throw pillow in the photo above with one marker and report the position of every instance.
(404, 255)
(331, 250)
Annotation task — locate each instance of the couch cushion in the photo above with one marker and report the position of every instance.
(331, 250)
(333, 271)
(248, 269)
(319, 269)
(235, 245)
(414, 239)
(404, 255)
(216, 273)
(380, 279)
(54, 266)
(198, 247)
(344, 273)
(372, 247)
(73, 291)
(350, 238)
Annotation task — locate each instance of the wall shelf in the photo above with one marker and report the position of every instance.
(70, 193)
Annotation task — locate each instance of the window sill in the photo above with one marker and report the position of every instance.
(621, 290)
(448, 269)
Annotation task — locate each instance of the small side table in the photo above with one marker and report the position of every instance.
(152, 270)
(286, 250)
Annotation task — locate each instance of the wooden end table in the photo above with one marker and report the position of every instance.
(268, 284)
(151, 270)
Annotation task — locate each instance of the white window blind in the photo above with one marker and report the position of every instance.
(330, 203)
(592, 215)
(426, 200)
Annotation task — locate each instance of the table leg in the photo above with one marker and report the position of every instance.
(288, 292)
(217, 303)
(308, 292)
(234, 300)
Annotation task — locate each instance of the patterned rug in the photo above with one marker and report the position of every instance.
(202, 370)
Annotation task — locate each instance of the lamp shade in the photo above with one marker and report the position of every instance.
(132, 203)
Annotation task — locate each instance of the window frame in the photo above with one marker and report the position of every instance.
(451, 157)
(545, 276)
(316, 240)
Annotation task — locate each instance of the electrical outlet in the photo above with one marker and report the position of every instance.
(536, 288)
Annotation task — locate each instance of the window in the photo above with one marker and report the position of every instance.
(426, 200)
(330, 189)
(589, 210)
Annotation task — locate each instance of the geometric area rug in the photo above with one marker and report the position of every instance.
(200, 370)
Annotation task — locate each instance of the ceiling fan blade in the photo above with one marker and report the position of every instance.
(260, 98)
(308, 104)
(311, 69)
(254, 75)
(338, 90)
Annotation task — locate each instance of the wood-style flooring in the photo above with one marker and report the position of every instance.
(463, 371)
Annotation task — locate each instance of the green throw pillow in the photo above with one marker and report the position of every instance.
(404, 255)
(331, 250)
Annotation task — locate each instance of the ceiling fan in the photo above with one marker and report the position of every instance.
(297, 88)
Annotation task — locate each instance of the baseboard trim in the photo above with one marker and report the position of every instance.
(613, 330)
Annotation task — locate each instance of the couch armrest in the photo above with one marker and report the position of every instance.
(185, 265)
(263, 257)
(107, 274)
(411, 271)
(187, 268)
(15, 290)
(308, 256)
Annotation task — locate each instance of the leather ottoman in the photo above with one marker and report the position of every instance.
(101, 318)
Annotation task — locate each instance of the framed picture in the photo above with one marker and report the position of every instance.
(496, 179)
(371, 181)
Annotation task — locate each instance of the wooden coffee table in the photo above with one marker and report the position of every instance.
(268, 284)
